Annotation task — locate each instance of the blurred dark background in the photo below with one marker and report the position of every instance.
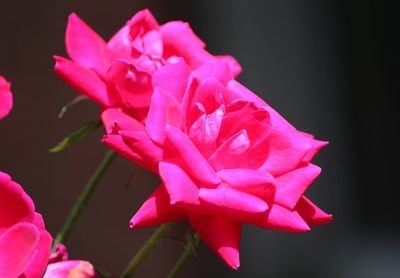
(329, 67)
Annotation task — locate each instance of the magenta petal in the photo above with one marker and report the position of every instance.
(116, 143)
(181, 189)
(218, 69)
(69, 269)
(156, 210)
(287, 148)
(83, 80)
(143, 145)
(243, 93)
(231, 200)
(17, 246)
(282, 219)
(312, 214)
(221, 235)
(152, 44)
(144, 21)
(38, 266)
(189, 46)
(208, 94)
(232, 153)
(164, 109)
(316, 146)
(243, 178)
(241, 114)
(15, 202)
(179, 146)
(234, 65)
(291, 186)
(172, 78)
(84, 45)
(204, 131)
(133, 86)
(173, 29)
(6, 98)
(114, 120)
(120, 44)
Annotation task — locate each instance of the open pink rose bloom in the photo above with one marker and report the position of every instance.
(24, 242)
(119, 72)
(225, 158)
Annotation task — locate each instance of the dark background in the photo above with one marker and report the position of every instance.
(329, 67)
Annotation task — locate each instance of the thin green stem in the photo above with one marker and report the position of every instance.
(184, 257)
(145, 251)
(84, 198)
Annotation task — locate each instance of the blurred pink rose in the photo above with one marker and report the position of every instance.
(60, 267)
(24, 242)
(225, 158)
(119, 72)
(6, 99)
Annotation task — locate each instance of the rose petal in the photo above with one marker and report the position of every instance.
(37, 267)
(312, 214)
(291, 186)
(244, 178)
(188, 46)
(114, 120)
(181, 189)
(232, 153)
(17, 246)
(287, 148)
(208, 94)
(140, 142)
(156, 210)
(179, 146)
(133, 86)
(230, 200)
(15, 202)
(142, 21)
(204, 131)
(217, 69)
(83, 80)
(221, 235)
(164, 109)
(316, 146)
(116, 143)
(281, 219)
(6, 98)
(234, 65)
(120, 45)
(172, 78)
(84, 45)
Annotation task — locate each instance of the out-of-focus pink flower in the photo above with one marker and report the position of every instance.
(6, 99)
(24, 242)
(60, 267)
(118, 73)
(225, 158)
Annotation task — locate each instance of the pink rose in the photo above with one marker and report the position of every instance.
(6, 99)
(119, 72)
(60, 267)
(24, 242)
(225, 158)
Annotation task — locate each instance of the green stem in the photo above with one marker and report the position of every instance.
(184, 257)
(84, 198)
(145, 251)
